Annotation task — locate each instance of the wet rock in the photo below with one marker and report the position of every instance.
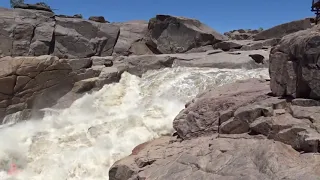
(36, 82)
(108, 75)
(257, 58)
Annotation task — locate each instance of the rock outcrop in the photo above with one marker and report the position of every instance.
(220, 59)
(169, 34)
(237, 131)
(284, 29)
(241, 34)
(75, 37)
(202, 115)
(229, 157)
(131, 38)
(26, 32)
(244, 130)
(32, 83)
(245, 45)
(294, 65)
(36, 6)
(99, 19)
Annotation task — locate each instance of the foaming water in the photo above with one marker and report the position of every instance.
(83, 141)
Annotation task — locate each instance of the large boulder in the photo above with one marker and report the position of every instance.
(37, 6)
(201, 115)
(131, 38)
(83, 38)
(233, 132)
(32, 82)
(241, 34)
(294, 65)
(27, 32)
(99, 19)
(28, 84)
(284, 29)
(170, 34)
(228, 157)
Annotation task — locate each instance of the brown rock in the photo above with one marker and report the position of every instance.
(284, 29)
(33, 82)
(29, 32)
(131, 38)
(99, 19)
(294, 65)
(83, 38)
(258, 58)
(33, 6)
(164, 30)
(241, 34)
(230, 157)
(202, 114)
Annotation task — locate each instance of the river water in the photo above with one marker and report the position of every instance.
(83, 141)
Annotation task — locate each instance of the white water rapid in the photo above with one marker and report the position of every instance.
(83, 141)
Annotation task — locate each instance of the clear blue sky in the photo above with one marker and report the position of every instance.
(221, 15)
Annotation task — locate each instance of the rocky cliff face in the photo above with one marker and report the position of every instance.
(244, 130)
(26, 32)
(295, 65)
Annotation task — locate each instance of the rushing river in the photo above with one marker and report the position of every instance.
(83, 141)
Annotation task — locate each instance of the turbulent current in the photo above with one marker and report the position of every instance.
(83, 141)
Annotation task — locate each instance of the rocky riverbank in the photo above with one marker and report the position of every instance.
(251, 129)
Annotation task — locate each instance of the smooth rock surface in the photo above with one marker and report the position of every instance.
(170, 34)
(228, 157)
(131, 38)
(284, 29)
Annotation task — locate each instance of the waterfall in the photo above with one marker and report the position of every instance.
(83, 141)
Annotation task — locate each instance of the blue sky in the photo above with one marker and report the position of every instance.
(221, 15)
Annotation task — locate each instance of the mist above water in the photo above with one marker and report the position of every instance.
(83, 141)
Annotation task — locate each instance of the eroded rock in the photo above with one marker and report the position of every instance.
(229, 157)
(170, 34)
(294, 65)
(284, 29)
(202, 114)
